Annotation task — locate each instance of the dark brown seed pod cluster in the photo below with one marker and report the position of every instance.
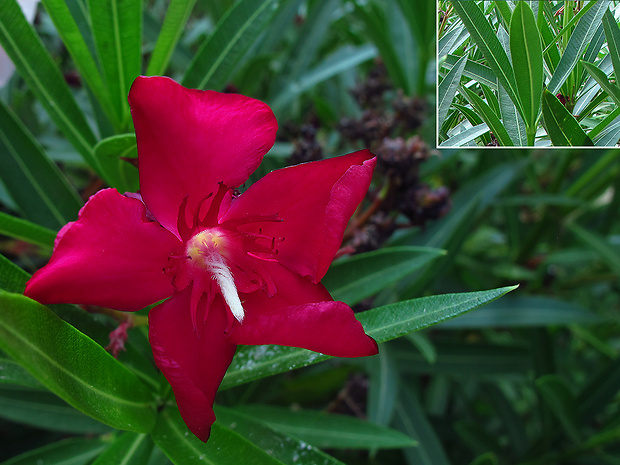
(387, 126)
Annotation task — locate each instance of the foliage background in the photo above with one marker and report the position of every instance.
(529, 378)
(541, 75)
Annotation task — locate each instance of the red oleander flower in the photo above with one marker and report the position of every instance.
(236, 269)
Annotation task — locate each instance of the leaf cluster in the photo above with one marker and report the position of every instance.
(529, 74)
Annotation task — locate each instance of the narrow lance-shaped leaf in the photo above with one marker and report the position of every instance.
(561, 401)
(489, 117)
(485, 38)
(79, 451)
(356, 278)
(562, 127)
(328, 430)
(466, 136)
(221, 54)
(513, 122)
(373, 17)
(175, 21)
(383, 386)
(612, 34)
(13, 373)
(24, 230)
(448, 87)
(605, 251)
(77, 47)
(281, 447)
(117, 29)
(36, 66)
(473, 70)
(43, 410)
(73, 366)
(12, 277)
(383, 324)
(607, 132)
(411, 418)
(339, 61)
(527, 61)
(34, 182)
(127, 449)
(601, 78)
(579, 40)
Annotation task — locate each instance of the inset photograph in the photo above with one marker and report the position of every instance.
(528, 74)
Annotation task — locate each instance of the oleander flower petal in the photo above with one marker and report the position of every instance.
(193, 361)
(190, 140)
(112, 256)
(302, 314)
(314, 201)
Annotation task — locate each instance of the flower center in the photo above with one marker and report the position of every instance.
(207, 251)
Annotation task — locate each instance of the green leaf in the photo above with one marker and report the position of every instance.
(423, 344)
(175, 21)
(448, 87)
(513, 122)
(510, 418)
(489, 117)
(411, 419)
(396, 320)
(562, 402)
(374, 20)
(474, 70)
(579, 40)
(225, 447)
(13, 373)
(328, 430)
(462, 138)
(339, 61)
(612, 34)
(383, 324)
(69, 31)
(224, 50)
(36, 66)
(112, 153)
(12, 277)
(24, 230)
(383, 386)
(404, 37)
(527, 61)
(66, 452)
(117, 29)
(360, 276)
(44, 410)
(486, 39)
(93, 382)
(127, 449)
(594, 240)
(601, 78)
(524, 312)
(607, 132)
(34, 182)
(562, 127)
(284, 448)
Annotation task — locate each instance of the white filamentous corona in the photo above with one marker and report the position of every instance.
(223, 276)
(205, 249)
